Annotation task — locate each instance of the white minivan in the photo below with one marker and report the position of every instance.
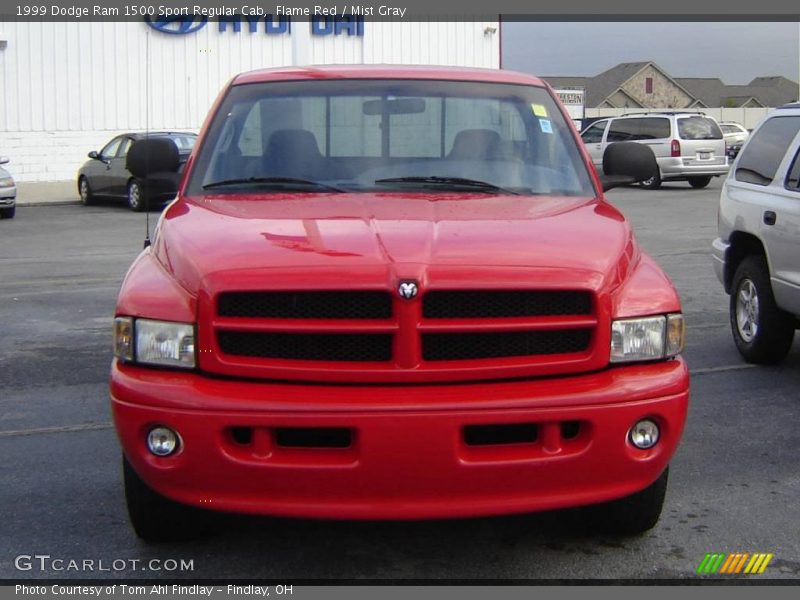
(689, 146)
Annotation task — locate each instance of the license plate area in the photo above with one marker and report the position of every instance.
(705, 155)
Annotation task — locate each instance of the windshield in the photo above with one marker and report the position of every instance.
(389, 135)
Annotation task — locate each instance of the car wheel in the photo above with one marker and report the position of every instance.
(135, 196)
(699, 182)
(8, 213)
(632, 514)
(155, 518)
(651, 184)
(85, 192)
(763, 332)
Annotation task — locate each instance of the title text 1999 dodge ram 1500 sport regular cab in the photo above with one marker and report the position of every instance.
(394, 293)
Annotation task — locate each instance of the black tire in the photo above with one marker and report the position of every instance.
(699, 182)
(136, 199)
(763, 332)
(158, 519)
(632, 514)
(653, 183)
(85, 192)
(8, 213)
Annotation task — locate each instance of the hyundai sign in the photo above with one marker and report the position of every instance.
(320, 25)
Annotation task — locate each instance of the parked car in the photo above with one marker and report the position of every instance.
(757, 253)
(8, 192)
(105, 175)
(735, 135)
(688, 146)
(391, 293)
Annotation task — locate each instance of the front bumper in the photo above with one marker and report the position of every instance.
(408, 457)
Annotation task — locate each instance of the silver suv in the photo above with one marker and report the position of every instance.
(757, 253)
(689, 146)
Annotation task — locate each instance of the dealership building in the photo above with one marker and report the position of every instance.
(68, 87)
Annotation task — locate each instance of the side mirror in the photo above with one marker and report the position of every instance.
(627, 162)
(4, 160)
(93, 154)
(149, 156)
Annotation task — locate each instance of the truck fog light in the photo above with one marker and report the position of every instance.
(162, 441)
(644, 434)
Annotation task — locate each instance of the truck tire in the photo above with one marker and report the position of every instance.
(699, 182)
(632, 514)
(8, 213)
(155, 518)
(763, 332)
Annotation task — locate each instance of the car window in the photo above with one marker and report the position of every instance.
(793, 177)
(729, 129)
(183, 142)
(594, 135)
(765, 150)
(646, 128)
(110, 151)
(124, 147)
(698, 128)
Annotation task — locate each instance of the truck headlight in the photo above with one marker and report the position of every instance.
(649, 338)
(151, 342)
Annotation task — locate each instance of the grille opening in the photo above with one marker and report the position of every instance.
(495, 435)
(570, 429)
(366, 347)
(313, 437)
(478, 304)
(306, 305)
(242, 435)
(466, 346)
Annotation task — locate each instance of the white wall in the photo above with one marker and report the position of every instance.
(69, 87)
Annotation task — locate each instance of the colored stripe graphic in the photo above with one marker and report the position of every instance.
(734, 563)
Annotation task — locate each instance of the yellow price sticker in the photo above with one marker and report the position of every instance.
(539, 110)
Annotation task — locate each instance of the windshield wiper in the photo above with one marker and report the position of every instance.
(273, 180)
(451, 181)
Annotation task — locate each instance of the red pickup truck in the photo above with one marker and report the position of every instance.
(394, 293)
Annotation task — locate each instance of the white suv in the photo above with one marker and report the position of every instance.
(689, 146)
(757, 253)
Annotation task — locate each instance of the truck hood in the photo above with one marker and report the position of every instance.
(368, 239)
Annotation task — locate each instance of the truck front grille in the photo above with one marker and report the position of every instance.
(305, 346)
(467, 346)
(377, 336)
(306, 305)
(491, 304)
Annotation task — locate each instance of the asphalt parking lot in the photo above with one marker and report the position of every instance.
(734, 483)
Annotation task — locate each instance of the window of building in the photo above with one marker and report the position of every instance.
(648, 85)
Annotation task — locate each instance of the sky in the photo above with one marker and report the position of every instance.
(734, 52)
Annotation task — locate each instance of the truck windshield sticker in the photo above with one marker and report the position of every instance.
(539, 110)
(545, 126)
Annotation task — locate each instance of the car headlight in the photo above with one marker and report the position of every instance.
(151, 342)
(6, 182)
(649, 338)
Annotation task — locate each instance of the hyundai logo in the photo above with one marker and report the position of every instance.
(407, 289)
(177, 25)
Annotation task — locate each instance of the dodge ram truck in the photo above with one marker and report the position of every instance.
(394, 293)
